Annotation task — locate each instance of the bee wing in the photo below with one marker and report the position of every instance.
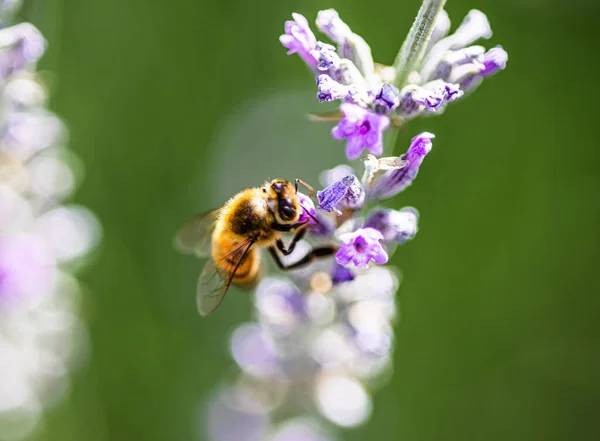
(195, 235)
(214, 280)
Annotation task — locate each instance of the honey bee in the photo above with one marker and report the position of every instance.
(233, 234)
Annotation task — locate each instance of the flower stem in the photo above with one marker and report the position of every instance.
(413, 49)
(389, 141)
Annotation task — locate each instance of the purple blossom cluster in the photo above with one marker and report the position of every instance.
(42, 239)
(312, 348)
(321, 339)
(372, 99)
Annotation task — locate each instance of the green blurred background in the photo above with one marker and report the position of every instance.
(173, 106)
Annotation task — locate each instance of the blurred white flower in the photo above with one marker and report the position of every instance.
(41, 336)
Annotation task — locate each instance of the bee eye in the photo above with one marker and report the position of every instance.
(277, 186)
(286, 211)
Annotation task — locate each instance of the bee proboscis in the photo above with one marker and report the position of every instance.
(232, 235)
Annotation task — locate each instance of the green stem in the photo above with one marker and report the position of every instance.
(389, 141)
(413, 49)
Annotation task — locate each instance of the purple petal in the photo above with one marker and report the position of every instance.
(326, 56)
(360, 247)
(494, 60)
(353, 112)
(329, 22)
(371, 234)
(363, 129)
(395, 181)
(395, 226)
(344, 255)
(387, 98)
(299, 38)
(341, 274)
(301, 20)
(380, 256)
(23, 45)
(354, 147)
(307, 206)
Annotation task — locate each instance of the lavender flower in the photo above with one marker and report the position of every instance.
(362, 128)
(341, 274)
(326, 56)
(306, 351)
(450, 67)
(346, 193)
(298, 38)
(387, 99)
(21, 45)
(331, 90)
(453, 59)
(330, 23)
(350, 45)
(395, 181)
(360, 247)
(42, 241)
(308, 209)
(494, 61)
(27, 268)
(396, 226)
(320, 335)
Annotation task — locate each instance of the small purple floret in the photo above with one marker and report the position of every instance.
(396, 226)
(326, 56)
(360, 247)
(24, 45)
(432, 96)
(308, 209)
(387, 99)
(330, 90)
(298, 38)
(341, 274)
(494, 60)
(362, 128)
(330, 23)
(395, 181)
(474, 26)
(453, 92)
(345, 193)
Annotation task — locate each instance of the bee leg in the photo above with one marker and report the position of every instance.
(297, 237)
(311, 191)
(315, 253)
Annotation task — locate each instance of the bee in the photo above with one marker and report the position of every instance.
(232, 236)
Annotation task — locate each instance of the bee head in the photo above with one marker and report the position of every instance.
(283, 201)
